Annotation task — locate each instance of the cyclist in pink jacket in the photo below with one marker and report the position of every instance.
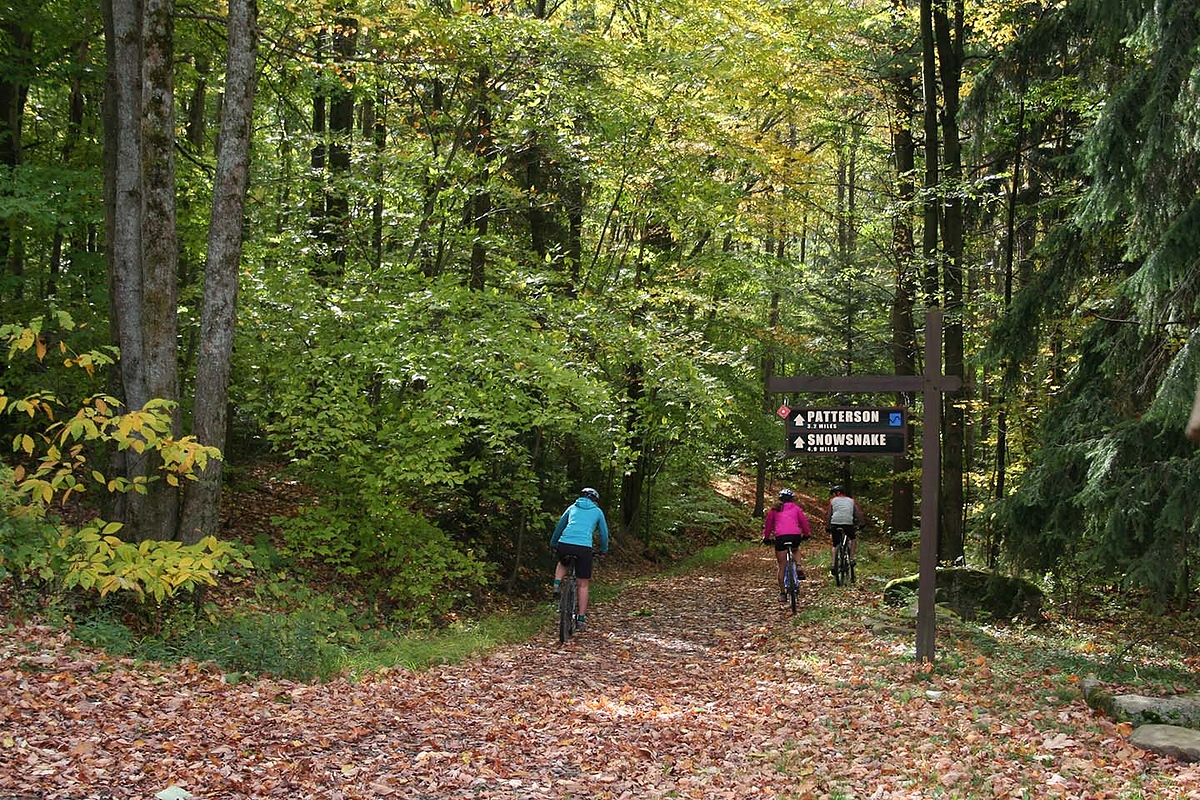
(785, 525)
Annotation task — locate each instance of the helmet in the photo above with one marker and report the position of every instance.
(591, 494)
(787, 494)
(837, 489)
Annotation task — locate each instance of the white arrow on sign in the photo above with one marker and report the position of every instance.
(799, 443)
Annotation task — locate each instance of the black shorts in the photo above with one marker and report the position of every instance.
(838, 531)
(793, 539)
(583, 558)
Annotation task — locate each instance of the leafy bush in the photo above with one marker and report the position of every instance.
(294, 646)
(26, 544)
(152, 570)
(404, 559)
(297, 645)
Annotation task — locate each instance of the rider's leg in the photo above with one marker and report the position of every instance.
(582, 594)
(781, 563)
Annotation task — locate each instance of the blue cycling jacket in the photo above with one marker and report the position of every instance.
(578, 524)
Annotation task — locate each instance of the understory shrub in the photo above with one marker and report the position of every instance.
(418, 571)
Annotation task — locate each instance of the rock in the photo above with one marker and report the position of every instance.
(1096, 696)
(1181, 710)
(974, 592)
(1169, 740)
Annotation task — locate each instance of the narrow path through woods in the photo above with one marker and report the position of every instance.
(695, 686)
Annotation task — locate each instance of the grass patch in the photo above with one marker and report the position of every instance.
(714, 554)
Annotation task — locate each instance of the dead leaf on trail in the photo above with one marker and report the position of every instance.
(713, 694)
(1058, 742)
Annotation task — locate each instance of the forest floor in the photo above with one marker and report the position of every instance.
(689, 686)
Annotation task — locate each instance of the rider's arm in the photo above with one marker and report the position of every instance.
(602, 525)
(860, 519)
(559, 528)
(769, 525)
(803, 520)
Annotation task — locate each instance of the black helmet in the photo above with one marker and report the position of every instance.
(591, 494)
(837, 489)
(787, 494)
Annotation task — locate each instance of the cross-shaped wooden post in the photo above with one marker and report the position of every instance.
(932, 384)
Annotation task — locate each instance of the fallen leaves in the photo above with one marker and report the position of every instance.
(680, 688)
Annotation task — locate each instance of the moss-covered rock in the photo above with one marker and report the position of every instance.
(974, 593)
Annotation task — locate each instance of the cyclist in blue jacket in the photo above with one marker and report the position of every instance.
(573, 536)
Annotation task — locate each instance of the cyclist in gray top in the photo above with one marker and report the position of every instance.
(844, 518)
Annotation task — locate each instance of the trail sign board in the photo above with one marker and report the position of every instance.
(853, 418)
(842, 442)
(847, 431)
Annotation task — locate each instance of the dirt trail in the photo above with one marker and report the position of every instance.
(696, 686)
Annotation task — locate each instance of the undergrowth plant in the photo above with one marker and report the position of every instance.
(55, 444)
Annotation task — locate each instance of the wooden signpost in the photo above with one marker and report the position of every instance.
(932, 384)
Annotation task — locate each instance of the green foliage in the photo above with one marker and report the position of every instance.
(398, 556)
(63, 447)
(294, 645)
(36, 550)
(152, 571)
(27, 545)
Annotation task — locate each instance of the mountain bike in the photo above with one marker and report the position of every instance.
(791, 577)
(843, 563)
(568, 601)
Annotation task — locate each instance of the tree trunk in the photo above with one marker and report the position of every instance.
(140, 214)
(76, 103)
(13, 94)
(202, 498)
(482, 202)
(950, 58)
(631, 482)
(768, 372)
(929, 231)
(904, 337)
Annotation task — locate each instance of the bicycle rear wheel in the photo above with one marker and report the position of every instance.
(792, 579)
(839, 565)
(567, 603)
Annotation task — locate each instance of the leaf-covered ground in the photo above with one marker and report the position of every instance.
(697, 686)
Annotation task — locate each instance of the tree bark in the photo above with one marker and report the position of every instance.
(142, 254)
(929, 231)
(13, 95)
(904, 337)
(481, 203)
(202, 498)
(950, 59)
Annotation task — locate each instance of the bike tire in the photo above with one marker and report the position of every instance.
(850, 562)
(566, 611)
(793, 585)
(839, 566)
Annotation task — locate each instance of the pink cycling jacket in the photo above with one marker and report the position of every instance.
(789, 520)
